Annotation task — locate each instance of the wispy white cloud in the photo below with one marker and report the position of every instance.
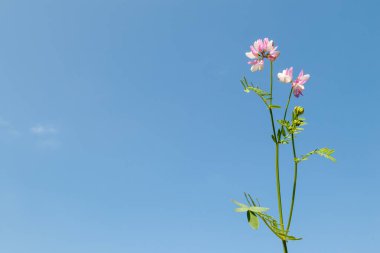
(43, 130)
(46, 136)
(43, 136)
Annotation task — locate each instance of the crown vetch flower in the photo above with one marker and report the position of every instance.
(298, 84)
(256, 65)
(272, 55)
(259, 50)
(286, 76)
(253, 54)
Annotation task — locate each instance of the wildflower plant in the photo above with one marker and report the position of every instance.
(284, 131)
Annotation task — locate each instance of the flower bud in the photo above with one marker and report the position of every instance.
(298, 110)
(297, 122)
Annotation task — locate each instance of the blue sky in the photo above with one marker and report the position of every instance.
(124, 128)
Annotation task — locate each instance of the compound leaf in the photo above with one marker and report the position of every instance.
(324, 152)
(253, 221)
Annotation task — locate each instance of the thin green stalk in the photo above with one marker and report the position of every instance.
(286, 110)
(273, 127)
(271, 81)
(287, 104)
(279, 196)
(278, 184)
(270, 102)
(294, 184)
(284, 246)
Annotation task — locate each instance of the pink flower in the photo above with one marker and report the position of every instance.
(268, 44)
(286, 76)
(272, 55)
(256, 65)
(259, 45)
(298, 84)
(259, 50)
(252, 54)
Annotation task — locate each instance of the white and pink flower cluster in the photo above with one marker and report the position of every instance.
(286, 76)
(264, 48)
(259, 50)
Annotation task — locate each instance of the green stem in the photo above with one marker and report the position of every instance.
(284, 246)
(273, 127)
(287, 105)
(271, 82)
(294, 184)
(278, 184)
(270, 102)
(286, 110)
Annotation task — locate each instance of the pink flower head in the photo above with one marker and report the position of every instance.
(256, 65)
(298, 84)
(259, 50)
(286, 76)
(268, 44)
(273, 54)
(253, 54)
(259, 46)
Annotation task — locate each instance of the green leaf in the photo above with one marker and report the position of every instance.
(253, 220)
(245, 85)
(324, 152)
(241, 81)
(274, 138)
(278, 134)
(242, 208)
(274, 106)
(265, 96)
(238, 203)
(253, 202)
(258, 209)
(254, 212)
(283, 122)
(283, 132)
(276, 227)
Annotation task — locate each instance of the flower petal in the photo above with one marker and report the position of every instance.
(250, 55)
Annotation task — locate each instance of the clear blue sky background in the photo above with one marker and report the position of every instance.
(124, 128)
